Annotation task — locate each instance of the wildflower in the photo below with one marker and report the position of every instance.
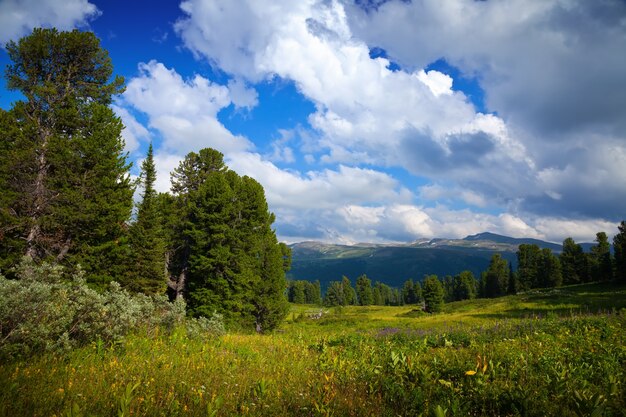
(470, 373)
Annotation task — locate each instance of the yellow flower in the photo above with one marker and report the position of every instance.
(470, 373)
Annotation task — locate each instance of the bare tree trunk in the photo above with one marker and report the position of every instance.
(39, 197)
(178, 285)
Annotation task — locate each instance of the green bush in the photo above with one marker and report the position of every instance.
(48, 310)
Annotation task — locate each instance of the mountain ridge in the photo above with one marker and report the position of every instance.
(394, 263)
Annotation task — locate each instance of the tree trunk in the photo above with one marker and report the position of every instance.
(39, 198)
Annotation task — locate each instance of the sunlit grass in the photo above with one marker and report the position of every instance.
(546, 353)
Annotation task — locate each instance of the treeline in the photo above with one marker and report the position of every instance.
(67, 195)
(537, 268)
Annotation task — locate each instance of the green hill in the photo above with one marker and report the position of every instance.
(394, 264)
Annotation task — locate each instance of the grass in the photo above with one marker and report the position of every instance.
(553, 352)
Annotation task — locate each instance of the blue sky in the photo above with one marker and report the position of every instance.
(377, 121)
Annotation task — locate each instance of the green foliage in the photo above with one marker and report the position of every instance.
(48, 310)
(364, 292)
(464, 286)
(349, 293)
(365, 361)
(147, 270)
(497, 277)
(619, 247)
(528, 259)
(304, 292)
(69, 192)
(574, 263)
(433, 293)
(600, 259)
(334, 295)
(549, 274)
(227, 257)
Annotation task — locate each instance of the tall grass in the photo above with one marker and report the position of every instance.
(512, 356)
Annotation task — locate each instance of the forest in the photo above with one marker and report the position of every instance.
(177, 304)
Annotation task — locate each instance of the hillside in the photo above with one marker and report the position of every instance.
(395, 263)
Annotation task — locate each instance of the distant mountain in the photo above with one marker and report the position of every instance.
(395, 263)
(492, 237)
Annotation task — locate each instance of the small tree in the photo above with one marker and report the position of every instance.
(147, 272)
(334, 295)
(364, 291)
(348, 292)
(433, 294)
(574, 267)
(550, 271)
(600, 257)
(619, 247)
(496, 278)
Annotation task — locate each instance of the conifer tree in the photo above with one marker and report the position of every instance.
(496, 278)
(364, 291)
(619, 247)
(574, 268)
(349, 293)
(227, 258)
(433, 293)
(69, 194)
(549, 274)
(600, 259)
(528, 259)
(147, 273)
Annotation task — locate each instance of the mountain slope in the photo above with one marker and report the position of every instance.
(394, 264)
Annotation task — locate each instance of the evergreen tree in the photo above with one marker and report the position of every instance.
(296, 292)
(619, 247)
(433, 293)
(334, 295)
(417, 290)
(69, 195)
(496, 279)
(600, 259)
(147, 274)
(227, 257)
(448, 288)
(550, 270)
(312, 292)
(349, 293)
(464, 286)
(364, 291)
(528, 259)
(408, 292)
(574, 268)
(513, 284)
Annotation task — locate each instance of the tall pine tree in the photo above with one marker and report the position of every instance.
(69, 194)
(147, 272)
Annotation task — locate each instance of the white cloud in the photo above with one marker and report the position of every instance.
(366, 113)
(241, 95)
(317, 189)
(134, 132)
(19, 17)
(183, 111)
(554, 71)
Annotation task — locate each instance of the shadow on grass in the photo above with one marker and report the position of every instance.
(597, 298)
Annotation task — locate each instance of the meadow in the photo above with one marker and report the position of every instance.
(547, 352)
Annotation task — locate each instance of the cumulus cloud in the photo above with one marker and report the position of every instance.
(318, 189)
(19, 17)
(524, 160)
(366, 113)
(184, 111)
(553, 70)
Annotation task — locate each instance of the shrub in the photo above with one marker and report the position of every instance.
(48, 310)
